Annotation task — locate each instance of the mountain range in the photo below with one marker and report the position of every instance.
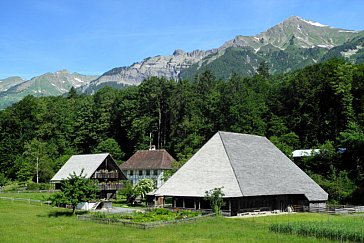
(14, 89)
(290, 45)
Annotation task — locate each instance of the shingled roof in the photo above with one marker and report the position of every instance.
(89, 163)
(149, 159)
(244, 165)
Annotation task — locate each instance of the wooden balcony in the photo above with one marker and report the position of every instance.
(110, 186)
(106, 175)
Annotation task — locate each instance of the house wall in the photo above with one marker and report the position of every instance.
(136, 175)
(108, 177)
(267, 203)
(242, 204)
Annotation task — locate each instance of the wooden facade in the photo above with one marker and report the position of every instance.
(101, 168)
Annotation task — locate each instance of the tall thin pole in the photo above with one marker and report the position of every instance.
(37, 169)
(150, 141)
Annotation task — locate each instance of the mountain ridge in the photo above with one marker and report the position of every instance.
(292, 44)
(305, 35)
(48, 84)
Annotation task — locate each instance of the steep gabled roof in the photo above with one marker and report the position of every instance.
(245, 165)
(89, 163)
(149, 159)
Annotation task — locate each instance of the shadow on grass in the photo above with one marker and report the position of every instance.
(56, 214)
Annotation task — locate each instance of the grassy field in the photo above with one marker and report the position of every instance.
(31, 195)
(336, 228)
(23, 222)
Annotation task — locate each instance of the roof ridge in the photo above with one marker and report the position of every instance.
(242, 134)
(232, 167)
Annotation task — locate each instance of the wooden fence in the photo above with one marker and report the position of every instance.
(335, 209)
(147, 225)
(31, 191)
(12, 199)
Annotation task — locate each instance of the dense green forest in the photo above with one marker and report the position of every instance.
(320, 106)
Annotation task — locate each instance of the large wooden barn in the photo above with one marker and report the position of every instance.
(99, 167)
(253, 173)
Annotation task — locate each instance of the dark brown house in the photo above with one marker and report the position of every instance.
(147, 164)
(100, 167)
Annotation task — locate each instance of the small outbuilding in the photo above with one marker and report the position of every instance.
(252, 172)
(100, 167)
(147, 164)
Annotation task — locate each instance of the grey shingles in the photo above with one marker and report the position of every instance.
(262, 169)
(245, 165)
(207, 169)
(88, 162)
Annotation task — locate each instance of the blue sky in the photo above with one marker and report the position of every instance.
(93, 36)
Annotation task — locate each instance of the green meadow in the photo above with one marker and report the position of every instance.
(21, 221)
(27, 195)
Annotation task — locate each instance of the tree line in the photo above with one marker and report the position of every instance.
(320, 106)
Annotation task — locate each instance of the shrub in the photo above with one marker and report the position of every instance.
(13, 186)
(32, 186)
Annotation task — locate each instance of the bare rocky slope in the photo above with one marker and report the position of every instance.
(289, 45)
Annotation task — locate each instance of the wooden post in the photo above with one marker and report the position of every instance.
(183, 203)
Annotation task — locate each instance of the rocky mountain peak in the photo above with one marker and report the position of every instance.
(179, 52)
(298, 20)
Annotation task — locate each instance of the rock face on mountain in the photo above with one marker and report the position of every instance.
(49, 84)
(7, 83)
(292, 44)
(298, 31)
(160, 66)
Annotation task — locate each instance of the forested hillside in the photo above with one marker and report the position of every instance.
(320, 106)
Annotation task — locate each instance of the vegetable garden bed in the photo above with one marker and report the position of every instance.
(145, 220)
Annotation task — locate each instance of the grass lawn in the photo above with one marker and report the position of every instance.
(23, 222)
(31, 195)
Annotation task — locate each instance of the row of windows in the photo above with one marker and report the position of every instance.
(140, 172)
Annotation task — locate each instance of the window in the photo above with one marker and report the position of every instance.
(130, 172)
(140, 172)
(147, 172)
(155, 172)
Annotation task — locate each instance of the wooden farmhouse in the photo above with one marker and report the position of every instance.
(253, 175)
(147, 164)
(100, 167)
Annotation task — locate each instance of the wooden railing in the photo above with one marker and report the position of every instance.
(110, 186)
(106, 174)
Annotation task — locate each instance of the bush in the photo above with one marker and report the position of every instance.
(13, 186)
(32, 186)
(3, 179)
